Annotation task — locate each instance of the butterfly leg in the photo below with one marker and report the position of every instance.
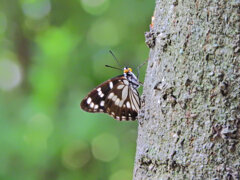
(140, 67)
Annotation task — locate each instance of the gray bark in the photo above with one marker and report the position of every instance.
(189, 122)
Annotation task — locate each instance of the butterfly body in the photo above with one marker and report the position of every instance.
(117, 97)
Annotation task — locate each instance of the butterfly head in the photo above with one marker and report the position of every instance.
(133, 80)
(127, 70)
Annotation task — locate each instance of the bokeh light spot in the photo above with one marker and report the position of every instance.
(10, 75)
(76, 155)
(36, 9)
(105, 147)
(57, 43)
(121, 174)
(104, 33)
(3, 23)
(95, 7)
(39, 128)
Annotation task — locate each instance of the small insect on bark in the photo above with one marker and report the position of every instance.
(117, 97)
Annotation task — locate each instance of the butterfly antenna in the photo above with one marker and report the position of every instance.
(140, 67)
(115, 58)
(113, 67)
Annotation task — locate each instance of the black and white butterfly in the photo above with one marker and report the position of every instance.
(117, 96)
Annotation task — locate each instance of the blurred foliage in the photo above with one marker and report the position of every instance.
(52, 52)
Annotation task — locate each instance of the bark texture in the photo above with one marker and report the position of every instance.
(189, 124)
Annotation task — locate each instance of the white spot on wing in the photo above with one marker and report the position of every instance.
(117, 102)
(124, 93)
(134, 102)
(102, 103)
(128, 104)
(89, 100)
(110, 96)
(100, 92)
(133, 96)
(120, 86)
(96, 106)
(121, 103)
(114, 98)
(126, 82)
(110, 85)
(92, 105)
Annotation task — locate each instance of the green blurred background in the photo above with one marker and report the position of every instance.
(52, 53)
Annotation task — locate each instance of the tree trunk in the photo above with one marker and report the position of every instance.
(189, 122)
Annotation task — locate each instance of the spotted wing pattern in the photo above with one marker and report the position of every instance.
(116, 97)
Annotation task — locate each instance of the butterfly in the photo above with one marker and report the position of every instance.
(117, 97)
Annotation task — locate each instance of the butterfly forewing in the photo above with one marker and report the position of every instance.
(96, 98)
(115, 97)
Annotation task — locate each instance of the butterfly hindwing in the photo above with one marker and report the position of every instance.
(118, 102)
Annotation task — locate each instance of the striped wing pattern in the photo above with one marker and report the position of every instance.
(115, 97)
